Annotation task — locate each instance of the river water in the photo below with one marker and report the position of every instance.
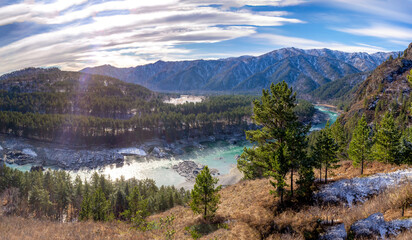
(220, 155)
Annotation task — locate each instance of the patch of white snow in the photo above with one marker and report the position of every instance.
(354, 190)
(132, 151)
(29, 152)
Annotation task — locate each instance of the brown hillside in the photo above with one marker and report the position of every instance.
(246, 207)
(387, 84)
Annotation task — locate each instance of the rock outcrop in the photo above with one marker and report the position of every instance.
(190, 169)
(376, 227)
(337, 232)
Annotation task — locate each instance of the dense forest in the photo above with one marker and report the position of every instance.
(49, 104)
(55, 195)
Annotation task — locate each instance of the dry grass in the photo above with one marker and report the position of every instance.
(347, 170)
(389, 203)
(407, 235)
(247, 208)
(17, 228)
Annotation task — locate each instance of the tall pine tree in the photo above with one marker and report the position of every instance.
(386, 140)
(279, 146)
(325, 150)
(359, 147)
(205, 196)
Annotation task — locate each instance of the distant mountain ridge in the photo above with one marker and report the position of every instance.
(305, 70)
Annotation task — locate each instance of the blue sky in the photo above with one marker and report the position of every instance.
(82, 33)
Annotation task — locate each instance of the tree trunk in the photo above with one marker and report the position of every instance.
(362, 168)
(403, 210)
(291, 183)
(320, 174)
(326, 174)
(281, 196)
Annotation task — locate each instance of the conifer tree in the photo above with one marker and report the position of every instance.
(325, 150)
(205, 197)
(359, 147)
(279, 146)
(339, 135)
(99, 205)
(85, 208)
(386, 140)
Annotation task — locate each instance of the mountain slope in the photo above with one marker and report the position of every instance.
(387, 88)
(305, 70)
(52, 91)
(341, 90)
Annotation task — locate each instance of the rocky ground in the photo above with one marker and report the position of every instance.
(190, 169)
(359, 189)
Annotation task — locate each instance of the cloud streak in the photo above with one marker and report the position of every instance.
(125, 39)
(124, 33)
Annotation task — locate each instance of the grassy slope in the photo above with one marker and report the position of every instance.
(247, 208)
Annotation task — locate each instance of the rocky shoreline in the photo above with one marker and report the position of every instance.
(20, 151)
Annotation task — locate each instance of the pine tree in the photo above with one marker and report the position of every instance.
(99, 205)
(359, 147)
(280, 143)
(205, 197)
(339, 135)
(405, 151)
(386, 140)
(85, 208)
(325, 150)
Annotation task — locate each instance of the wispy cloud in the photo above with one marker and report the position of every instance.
(74, 34)
(126, 39)
(394, 10)
(381, 31)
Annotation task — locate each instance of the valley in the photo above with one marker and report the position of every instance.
(134, 160)
(92, 138)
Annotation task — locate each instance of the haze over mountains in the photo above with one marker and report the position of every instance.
(304, 70)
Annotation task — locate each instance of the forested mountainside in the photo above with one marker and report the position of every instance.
(339, 92)
(305, 70)
(54, 105)
(386, 89)
(53, 91)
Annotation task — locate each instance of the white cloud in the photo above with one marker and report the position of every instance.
(399, 10)
(240, 3)
(381, 31)
(28, 11)
(153, 30)
(286, 41)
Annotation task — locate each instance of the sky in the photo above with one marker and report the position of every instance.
(74, 34)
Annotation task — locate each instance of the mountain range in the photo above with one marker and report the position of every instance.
(304, 70)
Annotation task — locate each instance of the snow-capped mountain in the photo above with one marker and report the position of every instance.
(305, 70)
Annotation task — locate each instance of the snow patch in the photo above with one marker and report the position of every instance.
(354, 190)
(337, 232)
(185, 99)
(375, 225)
(132, 151)
(29, 152)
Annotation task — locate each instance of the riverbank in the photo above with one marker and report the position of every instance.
(21, 151)
(332, 107)
(152, 159)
